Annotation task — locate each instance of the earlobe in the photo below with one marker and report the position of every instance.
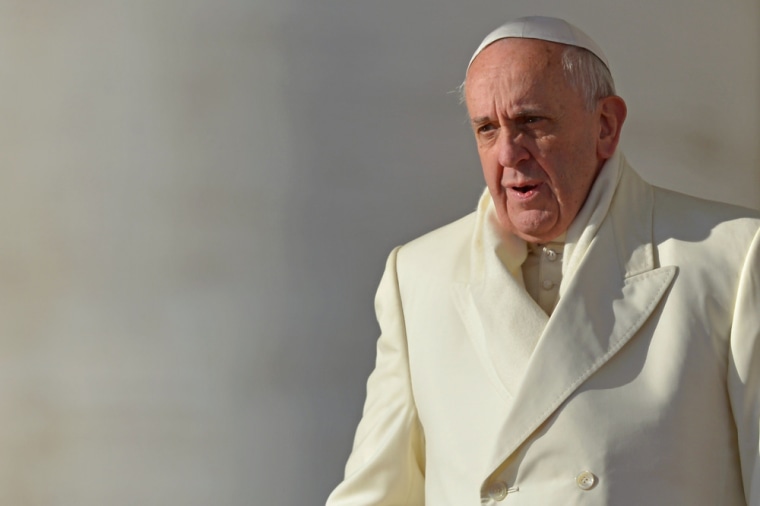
(612, 114)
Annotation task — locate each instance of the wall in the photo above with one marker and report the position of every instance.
(197, 197)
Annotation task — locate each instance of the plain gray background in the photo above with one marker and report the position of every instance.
(197, 198)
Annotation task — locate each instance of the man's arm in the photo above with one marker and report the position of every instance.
(744, 372)
(387, 463)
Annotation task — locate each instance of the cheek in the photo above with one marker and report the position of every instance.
(567, 173)
(571, 194)
(492, 170)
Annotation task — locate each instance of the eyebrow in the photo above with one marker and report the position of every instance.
(480, 120)
(530, 111)
(521, 113)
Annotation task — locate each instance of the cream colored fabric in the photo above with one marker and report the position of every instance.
(585, 226)
(542, 273)
(497, 267)
(643, 387)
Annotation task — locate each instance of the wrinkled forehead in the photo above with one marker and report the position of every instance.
(516, 60)
(542, 28)
(517, 71)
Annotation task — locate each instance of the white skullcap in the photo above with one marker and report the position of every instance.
(542, 28)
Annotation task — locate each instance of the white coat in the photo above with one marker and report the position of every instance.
(643, 388)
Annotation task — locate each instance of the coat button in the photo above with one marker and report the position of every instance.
(586, 480)
(497, 491)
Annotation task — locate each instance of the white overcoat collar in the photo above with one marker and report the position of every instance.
(505, 322)
(613, 290)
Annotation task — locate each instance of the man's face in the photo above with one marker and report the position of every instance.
(536, 140)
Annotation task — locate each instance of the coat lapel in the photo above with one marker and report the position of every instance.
(613, 292)
(503, 322)
(503, 326)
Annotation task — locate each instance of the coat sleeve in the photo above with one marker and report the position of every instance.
(744, 372)
(387, 464)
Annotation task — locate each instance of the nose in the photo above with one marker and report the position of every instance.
(511, 148)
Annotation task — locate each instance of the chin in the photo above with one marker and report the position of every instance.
(535, 232)
(534, 237)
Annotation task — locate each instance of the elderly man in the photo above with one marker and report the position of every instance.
(583, 337)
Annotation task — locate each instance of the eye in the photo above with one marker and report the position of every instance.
(486, 128)
(530, 120)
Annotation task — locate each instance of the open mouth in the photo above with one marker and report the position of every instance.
(525, 189)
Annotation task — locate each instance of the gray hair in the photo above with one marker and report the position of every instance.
(585, 73)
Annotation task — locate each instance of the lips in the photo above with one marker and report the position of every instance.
(524, 190)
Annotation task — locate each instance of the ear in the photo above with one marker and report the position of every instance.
(612, 113)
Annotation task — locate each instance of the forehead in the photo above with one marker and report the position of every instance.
(516, 66)
(515, 51)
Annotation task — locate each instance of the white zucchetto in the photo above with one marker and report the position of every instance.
(542, 28)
